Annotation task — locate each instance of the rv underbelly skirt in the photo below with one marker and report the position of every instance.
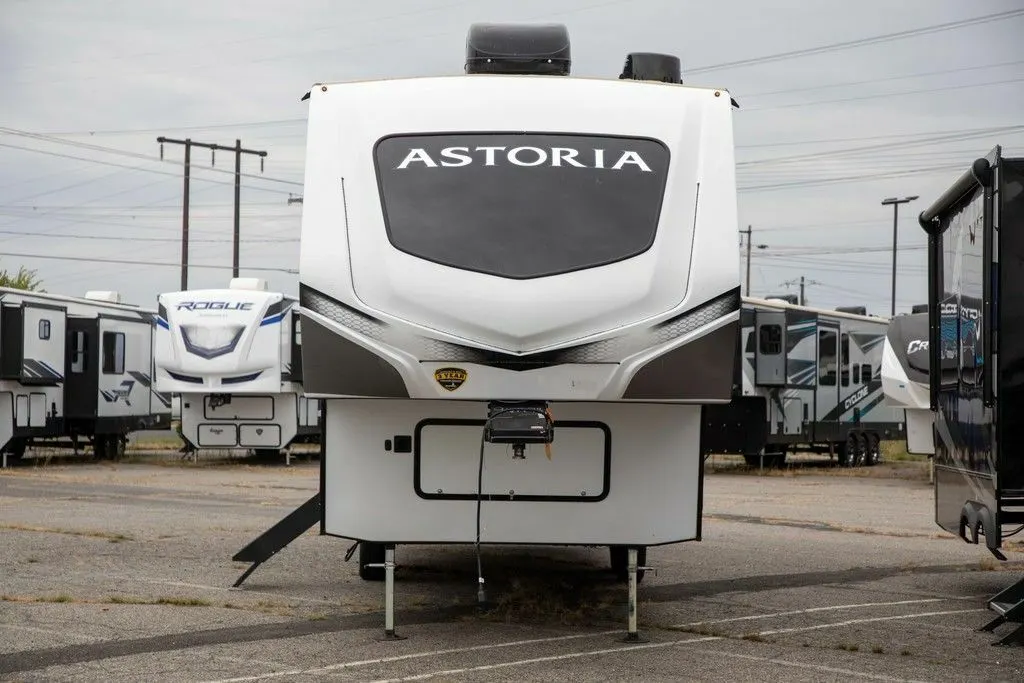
(246, 421)
(408, 471)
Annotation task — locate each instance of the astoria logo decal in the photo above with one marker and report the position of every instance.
(214, 306)
(450, 378)
(454, 157)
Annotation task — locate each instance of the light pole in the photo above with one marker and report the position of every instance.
(895, 201)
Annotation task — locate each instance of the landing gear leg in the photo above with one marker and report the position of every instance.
(632, 633)
(389, 594)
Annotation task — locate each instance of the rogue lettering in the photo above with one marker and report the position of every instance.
(214, 306)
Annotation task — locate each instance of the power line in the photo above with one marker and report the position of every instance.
(160, 264)
(890, 136)
(849, 179)
(132, 238)
(888, 94)
(848, 44)
(133, 168)
(304, 33)
(878, 148)
(872, 81)
(135, 155)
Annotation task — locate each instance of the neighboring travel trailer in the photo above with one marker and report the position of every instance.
(905, 378)
(517, 296)
(232, 357)
(975, 272)
(811, 381)
(74, 368)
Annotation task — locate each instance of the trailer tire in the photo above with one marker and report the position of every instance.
(371, 553)
(873, 452)
(851, 452)
(620, 562)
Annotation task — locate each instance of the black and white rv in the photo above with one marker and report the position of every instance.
(976, 340)
(76, 368)
(518, 291)
(811, 381)
(232, 357)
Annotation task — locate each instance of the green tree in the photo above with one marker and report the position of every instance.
(23, 279)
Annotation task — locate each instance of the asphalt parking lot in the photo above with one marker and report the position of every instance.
(122, 572)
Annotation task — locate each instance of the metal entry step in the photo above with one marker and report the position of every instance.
(1009, 605)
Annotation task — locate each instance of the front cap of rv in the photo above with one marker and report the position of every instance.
(519, 236)
(219, 340)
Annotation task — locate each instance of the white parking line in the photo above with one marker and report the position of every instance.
(869, 620)
(413, 655)
(36, 629)
(812, 667)
(550, 658)
(573, 655)
(810, 610)
(593, 653)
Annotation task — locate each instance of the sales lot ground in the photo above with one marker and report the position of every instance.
(122, 573)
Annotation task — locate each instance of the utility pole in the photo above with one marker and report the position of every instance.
(895, 223)
(748, 233)
(803, 282)
(213, 147)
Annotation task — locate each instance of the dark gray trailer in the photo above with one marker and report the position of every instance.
(976, 342)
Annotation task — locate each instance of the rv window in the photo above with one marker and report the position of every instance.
(521, 205)
(856, 374)
(44, 329)
(770, 340)
(844, 346)
(78, 349)
(113, 353)
(826, 358)
(865, 373)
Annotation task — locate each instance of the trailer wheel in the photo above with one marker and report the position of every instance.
(851, 452)
(620, 562)
(371, 553)
(873, 452)
(861, 451)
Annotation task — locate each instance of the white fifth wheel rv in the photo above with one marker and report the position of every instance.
(232, 357)
(811, 381)
(76, 367)
(905, 378)
(518, 290)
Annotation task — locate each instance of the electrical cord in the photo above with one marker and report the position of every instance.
(481, 592)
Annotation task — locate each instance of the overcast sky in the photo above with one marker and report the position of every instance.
(822, 138)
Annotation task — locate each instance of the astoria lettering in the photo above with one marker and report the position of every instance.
(454, 157)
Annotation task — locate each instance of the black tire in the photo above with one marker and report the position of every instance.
(371, 553)
(860, 450)
(850, 451)
(620, 562)
(873, 450)
(99, 446)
